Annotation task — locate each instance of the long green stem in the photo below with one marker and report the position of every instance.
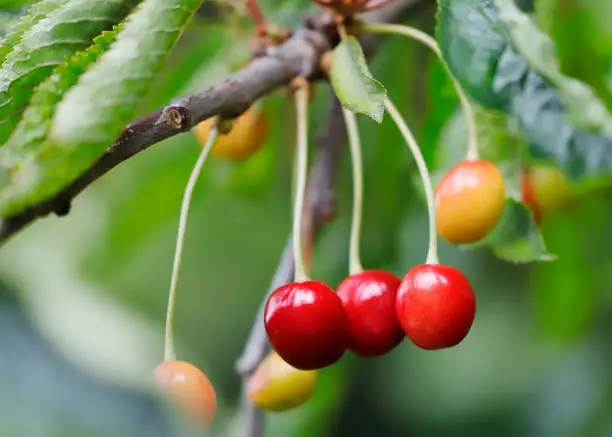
(432, 251)
(301, 104)
(169, 354)
(355, 146)
(411, 32)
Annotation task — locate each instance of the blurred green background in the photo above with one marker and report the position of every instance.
(83, 299)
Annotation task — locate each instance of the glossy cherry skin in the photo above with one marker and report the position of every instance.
(369, 302)
(469, 201)
(189, 389)
(306, 324)
(436, 306)
(277, 386)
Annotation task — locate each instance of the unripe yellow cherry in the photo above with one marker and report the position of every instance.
(469, 201)
(189, 389)
(277, 386)
(246, 137)
(545, 189)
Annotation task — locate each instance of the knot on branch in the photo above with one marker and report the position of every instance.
(176, 116)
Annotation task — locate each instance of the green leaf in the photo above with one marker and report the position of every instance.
(42, 40)
(96, 110)
(34, 168)
(570, 292)
(493, 61)
(353, 83)
(586, 52)
(582, 105)
(35, 14)
(516, 238)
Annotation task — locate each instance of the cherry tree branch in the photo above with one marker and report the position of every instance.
(298, 56)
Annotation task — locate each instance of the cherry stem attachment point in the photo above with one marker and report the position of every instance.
(301, 167)
(411, 32)
(432, 251)
(357, 163)
(169, 354)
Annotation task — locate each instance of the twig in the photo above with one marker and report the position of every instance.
(298, 56)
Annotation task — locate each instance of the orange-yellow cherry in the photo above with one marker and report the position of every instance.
(189, 389)
(278, 386)
(546, 190)
(469, 201)
(246, 137)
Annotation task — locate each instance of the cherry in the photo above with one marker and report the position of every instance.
(435, 306)
(349, 7)
(545, 189)
(529, 198)
(469, 201)
(189, 389)
(306, 324)
(248, 134)
(277, 386)
(369, 302)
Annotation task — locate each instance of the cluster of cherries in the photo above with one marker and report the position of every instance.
(310, 326)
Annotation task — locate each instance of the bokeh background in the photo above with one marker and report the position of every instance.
(83, 298)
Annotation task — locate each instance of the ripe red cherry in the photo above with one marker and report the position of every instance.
(306, 324)
(436, 306)
(369, 302)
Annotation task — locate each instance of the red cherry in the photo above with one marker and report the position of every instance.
(306, 324)
(369, 302)
(435, 306)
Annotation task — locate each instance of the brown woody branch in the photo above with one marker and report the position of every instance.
(299, 56)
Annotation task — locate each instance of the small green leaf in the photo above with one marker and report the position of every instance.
(95, 111)
(514, 69)
(353, 83)
(67, 28)
(516, 238)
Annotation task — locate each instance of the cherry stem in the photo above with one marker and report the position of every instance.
(411, 32)
(255, 13)
(301, 167)
(169, 354)
(356, 160)
(432, 252)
